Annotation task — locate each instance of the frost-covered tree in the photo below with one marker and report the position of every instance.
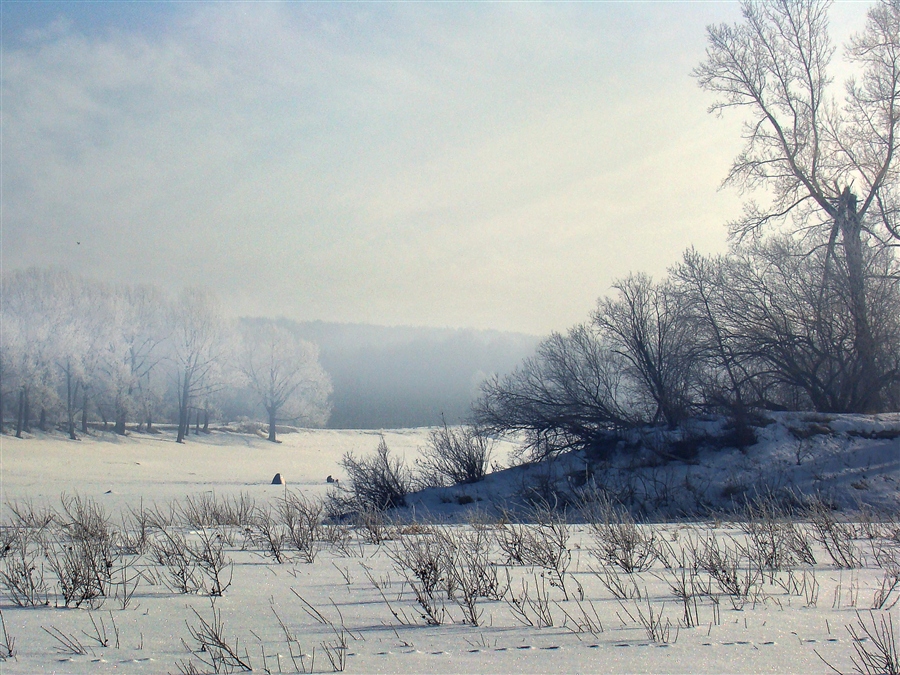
(33, 302)
(138, 329)
(197, 349)
(284, 374)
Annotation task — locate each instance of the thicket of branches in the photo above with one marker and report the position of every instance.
(76, 353)
(803, 313)
(763, 328)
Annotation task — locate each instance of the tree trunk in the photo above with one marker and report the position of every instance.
(70, 403)
(26, 413)
(42, 422)
(149, 422)
(206, 420)
(183, 422)
(119, 427)
(121, 415)
(20, 414)
(272, 412)
(867, 392)
(84, 408)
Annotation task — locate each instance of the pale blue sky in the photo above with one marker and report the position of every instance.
(492, 165)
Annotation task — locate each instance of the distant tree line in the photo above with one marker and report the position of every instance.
(75, 352)
(803, 313)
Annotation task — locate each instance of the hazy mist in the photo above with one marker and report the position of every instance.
(408, 377)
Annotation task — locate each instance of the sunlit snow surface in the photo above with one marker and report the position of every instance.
(772, 631)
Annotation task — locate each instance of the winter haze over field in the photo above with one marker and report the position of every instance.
(426, 337)
(488, 166)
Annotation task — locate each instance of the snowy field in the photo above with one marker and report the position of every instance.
(460, 591)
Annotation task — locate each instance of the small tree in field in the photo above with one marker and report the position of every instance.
(284, 374)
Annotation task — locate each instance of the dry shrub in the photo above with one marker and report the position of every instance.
(455, 456)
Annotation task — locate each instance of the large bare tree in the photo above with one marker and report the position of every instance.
(826, 164)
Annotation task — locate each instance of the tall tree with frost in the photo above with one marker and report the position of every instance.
(826, 164)
(135, 348)
(284, 374)
(32, 321)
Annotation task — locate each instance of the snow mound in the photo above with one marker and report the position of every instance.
(850, 462)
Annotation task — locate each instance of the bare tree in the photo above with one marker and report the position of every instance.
(727, 372)
(646, 324)
(568, 395)
(830, 166)
(772, 334)
(284, 373)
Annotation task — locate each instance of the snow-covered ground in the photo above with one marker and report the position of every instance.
(851, 462)
(357, 595)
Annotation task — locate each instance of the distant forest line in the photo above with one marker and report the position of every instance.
(77, 353)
